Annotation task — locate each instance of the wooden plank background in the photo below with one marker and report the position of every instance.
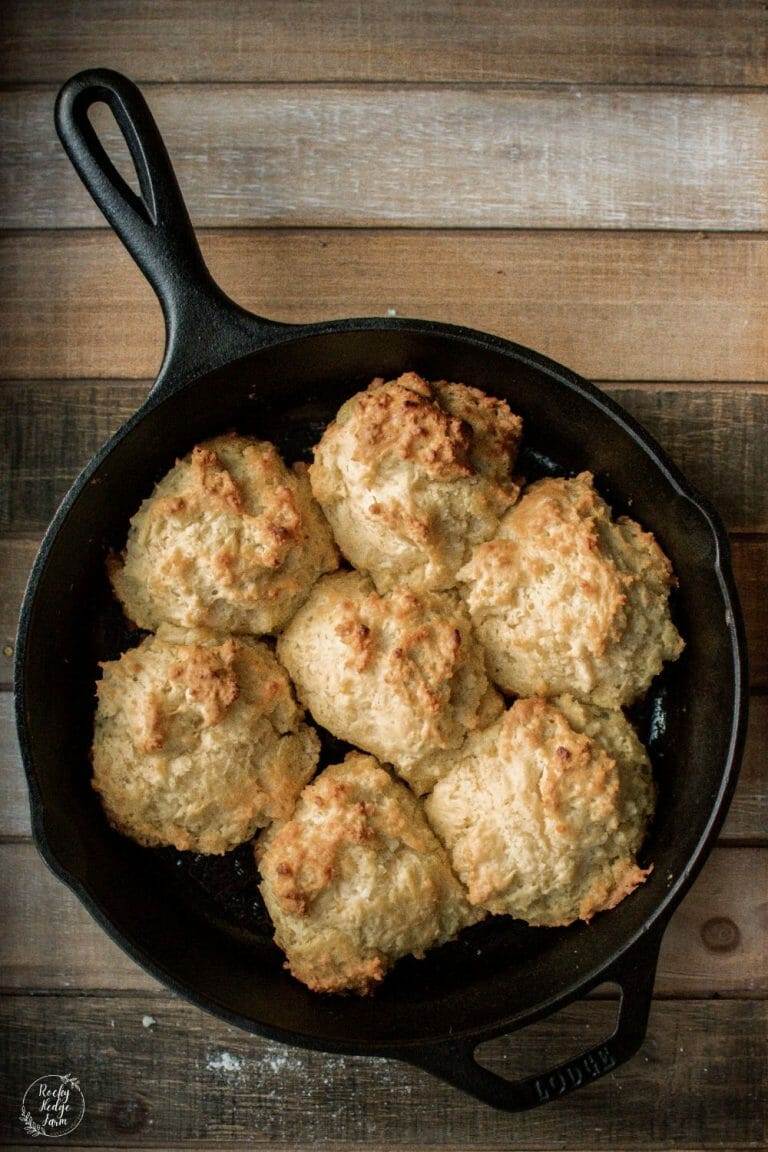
(549, 41)
(589, 178)
(466, 157)
(613, 306)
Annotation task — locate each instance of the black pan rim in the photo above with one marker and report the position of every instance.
(656, 922)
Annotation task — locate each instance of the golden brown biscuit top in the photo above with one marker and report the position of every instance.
(447, 430)
(178, 684)
(400, 674)
(399, 418)
(230, 540)
(495, 430)
(566, 599)
(356, 879)
(246, 480)
(411, 474)
(348, 805)
(198, 740)
(543, 812)
(577, 772)
(427, 650)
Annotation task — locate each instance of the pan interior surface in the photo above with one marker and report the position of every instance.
(198, 923)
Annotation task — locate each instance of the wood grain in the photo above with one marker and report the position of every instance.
(640, 42)
(611, 306)
(420, 157)
(714, 945)
(717, 434)
(318, 140)
(750, 569)
(188, 1080)
(747, 820)
(14, 802)
(750, 561)
(49, 940)
(748, 816)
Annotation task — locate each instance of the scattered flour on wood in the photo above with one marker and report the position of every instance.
(224, 1062)
(280, 1061)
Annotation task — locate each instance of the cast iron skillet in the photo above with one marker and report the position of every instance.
(196, 924)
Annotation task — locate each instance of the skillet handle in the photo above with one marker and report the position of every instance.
(455, 1061)
(155, 228)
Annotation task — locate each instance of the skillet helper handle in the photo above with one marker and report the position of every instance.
(155, 227)
(455, 1062)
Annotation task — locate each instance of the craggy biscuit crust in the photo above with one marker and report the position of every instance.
(543, 812)
(565, 599)
(356, 879)
(412, 474)
(399, 675)
(537, 812)
(198, 741)
(230, 540)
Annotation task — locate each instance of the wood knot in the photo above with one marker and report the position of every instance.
(720, 934)
(129, 1115)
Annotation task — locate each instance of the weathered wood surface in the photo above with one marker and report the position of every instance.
(589, 41)
(718, 434)
(714, 945)
(489, 116)
(750, 566)
(14, 804)
(156, 1072)
(466, 157)
(612, 306)
(748, 816)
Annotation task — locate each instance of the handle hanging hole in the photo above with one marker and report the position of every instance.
(575, 1042)
(108, 130)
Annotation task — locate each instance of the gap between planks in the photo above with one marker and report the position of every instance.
(384, 84)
